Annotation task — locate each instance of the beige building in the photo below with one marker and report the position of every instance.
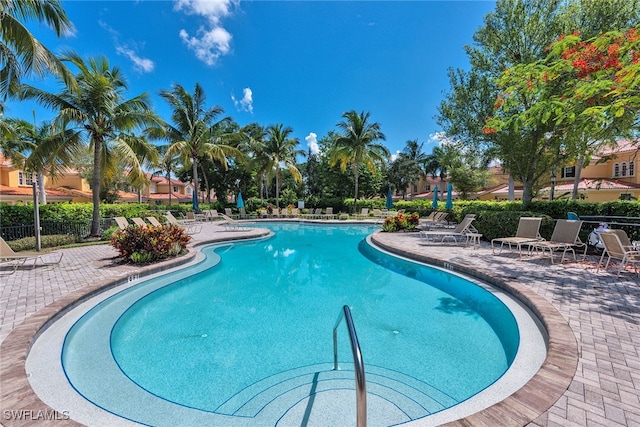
(610, 175)
(16, 187)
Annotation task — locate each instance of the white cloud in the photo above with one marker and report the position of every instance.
(395, 156)
(211, 40)
(312, 143)
(440, 138)
(143, 65)
(246, 103)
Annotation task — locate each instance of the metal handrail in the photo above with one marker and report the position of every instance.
(358, 364)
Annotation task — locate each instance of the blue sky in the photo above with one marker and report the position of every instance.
(300, 63)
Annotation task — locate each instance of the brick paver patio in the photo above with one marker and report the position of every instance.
(602, 313)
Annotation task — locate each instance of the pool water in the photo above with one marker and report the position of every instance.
(258, 310)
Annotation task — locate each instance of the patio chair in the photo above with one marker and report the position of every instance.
(139, 222)
(329, 214)
(9, 255)
(564, 238)
(364, 214)
(211, 215)
(154, 221)
(295, 213)
(460, 231)
(528, 231)
(435, 219)
(122, 222)
(189, 227)
(233, 225)
(615, 248)
(228, 212)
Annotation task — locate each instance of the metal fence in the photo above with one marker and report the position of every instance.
(75, 228)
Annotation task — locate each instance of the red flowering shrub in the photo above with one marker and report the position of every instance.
(401, 222)
(146, 244)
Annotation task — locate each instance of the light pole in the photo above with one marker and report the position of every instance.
(553, 186)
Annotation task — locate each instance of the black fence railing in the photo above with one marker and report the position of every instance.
(75, 228)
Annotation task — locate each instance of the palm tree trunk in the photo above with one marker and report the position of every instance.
(355, 198)
(196, 185)
(42, 196)
(277, 187)
(97, 183)
(170, 186)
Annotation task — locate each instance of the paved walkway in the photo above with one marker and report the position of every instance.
(603, 313)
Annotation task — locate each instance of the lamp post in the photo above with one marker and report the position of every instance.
(553, 186)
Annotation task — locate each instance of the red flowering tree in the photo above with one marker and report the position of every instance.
(581, 94)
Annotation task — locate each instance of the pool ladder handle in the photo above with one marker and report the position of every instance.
(358, 364)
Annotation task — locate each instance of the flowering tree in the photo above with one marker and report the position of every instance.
(583, 94)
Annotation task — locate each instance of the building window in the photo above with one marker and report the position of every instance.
(175, 189)
(569, 172)
(26, 178)
(624, 169)
(189, 191)
(427, 188)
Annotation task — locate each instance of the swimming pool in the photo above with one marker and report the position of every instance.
(246, 335)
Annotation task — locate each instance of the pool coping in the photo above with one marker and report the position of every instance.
(522, 407)
(555, 374)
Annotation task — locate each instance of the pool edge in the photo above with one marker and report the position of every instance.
(555, 374)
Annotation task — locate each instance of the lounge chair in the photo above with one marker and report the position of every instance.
(228, 212)
(364, 213)
(211, 215)
(139, 222)
(189, 227)
(233, 225)
(615, 248)
(460, 231)
(295, 213)
(564, 238)
(528, 232)
(9, 255)
(154, 221)
(263, 213)
(329, 214)
(122, 222)
(435, 219)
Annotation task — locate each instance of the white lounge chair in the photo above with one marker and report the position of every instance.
(9, 255)
(618, 246)
(139, 222)
(528, 232)
(122, 222)
(564, 238)
(190, 227)
(460, 232)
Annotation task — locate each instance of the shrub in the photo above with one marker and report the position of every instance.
(494, 224)
(401, 222)
(148, 244)
(51, 241)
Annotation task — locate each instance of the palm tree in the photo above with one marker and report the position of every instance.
(22, 53)
(195, 133)
(254, 148)
(50, 149)
(104, 118)
(280, 150)
(436, 164)
(356, 145)
(413, 153)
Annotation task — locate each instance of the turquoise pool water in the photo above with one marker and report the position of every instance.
(268, 307)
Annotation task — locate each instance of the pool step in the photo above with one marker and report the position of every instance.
(276, 395)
